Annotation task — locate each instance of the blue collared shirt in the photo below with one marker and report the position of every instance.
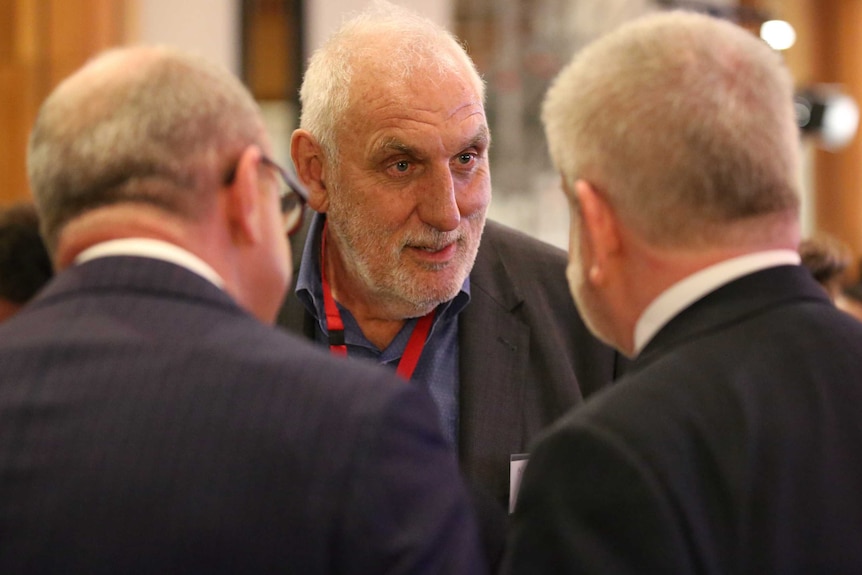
(437, 369)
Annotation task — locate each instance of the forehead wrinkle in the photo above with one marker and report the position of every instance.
(481, 138)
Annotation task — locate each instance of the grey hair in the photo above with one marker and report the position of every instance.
(685, 122)
(413, 45)
(146, 125)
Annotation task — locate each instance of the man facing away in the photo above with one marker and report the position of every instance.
(401, 268)
(733, 444)
(152, 423)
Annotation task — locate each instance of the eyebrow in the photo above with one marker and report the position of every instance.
(395, 145)
(481, 139)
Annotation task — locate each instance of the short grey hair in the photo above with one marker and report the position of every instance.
(686, 122)
(414, 44)
(147, 125)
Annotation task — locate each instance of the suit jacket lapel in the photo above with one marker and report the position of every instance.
(494, 351)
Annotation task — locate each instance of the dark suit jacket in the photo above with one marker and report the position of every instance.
(525, 354)
(149, 425)
(732, 445)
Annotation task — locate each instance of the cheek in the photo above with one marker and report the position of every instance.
(384, 217)
(367, 205)
(474, 197)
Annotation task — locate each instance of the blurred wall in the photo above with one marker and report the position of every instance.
(41, 41)
(208, 27)
(323, 16)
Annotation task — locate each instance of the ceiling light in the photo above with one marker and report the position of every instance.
(779, 34)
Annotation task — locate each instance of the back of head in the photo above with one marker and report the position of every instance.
(386, 42)
(143, 125)
(24, 263)
(686, 123)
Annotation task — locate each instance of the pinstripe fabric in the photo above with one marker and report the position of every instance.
(148, 424)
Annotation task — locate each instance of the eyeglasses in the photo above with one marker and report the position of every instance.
(293, 197)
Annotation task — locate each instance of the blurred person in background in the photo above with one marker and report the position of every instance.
(25, 266)
(827, 258)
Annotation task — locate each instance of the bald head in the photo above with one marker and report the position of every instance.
(141, 125)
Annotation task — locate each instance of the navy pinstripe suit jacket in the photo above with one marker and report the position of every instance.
(148, 424)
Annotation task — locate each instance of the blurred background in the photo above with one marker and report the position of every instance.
(518, 45)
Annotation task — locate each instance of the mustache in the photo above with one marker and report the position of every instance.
(432, 239)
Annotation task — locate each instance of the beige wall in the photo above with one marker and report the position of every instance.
(209, 27)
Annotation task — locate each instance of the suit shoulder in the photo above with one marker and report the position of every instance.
(280, 359)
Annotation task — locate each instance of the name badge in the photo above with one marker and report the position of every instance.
(517, 464)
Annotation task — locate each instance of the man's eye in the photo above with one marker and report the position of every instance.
(402, 166)
(466, 158)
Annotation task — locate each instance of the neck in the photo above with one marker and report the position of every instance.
(114, 223)
(373, 314)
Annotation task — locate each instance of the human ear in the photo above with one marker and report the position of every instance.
(243, 201)
(600, 229)
(310, 163)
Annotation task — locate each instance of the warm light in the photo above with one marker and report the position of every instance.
(779, 34)
(840, 121)
(827, 112)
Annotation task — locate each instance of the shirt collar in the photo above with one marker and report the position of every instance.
(310, 291)
(154, 249)
(685, 292)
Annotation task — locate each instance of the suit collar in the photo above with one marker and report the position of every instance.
(113, 274)
(155, 249)
(749, 295)
(682, 294)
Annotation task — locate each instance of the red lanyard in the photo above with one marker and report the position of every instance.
(335, 326)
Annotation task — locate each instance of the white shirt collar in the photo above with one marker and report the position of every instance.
(683, 293)
(155, 249)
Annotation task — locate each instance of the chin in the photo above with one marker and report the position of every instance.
(424, 299)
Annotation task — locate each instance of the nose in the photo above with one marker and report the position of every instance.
(438, 206)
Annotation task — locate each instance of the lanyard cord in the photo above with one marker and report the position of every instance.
(335, 326)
